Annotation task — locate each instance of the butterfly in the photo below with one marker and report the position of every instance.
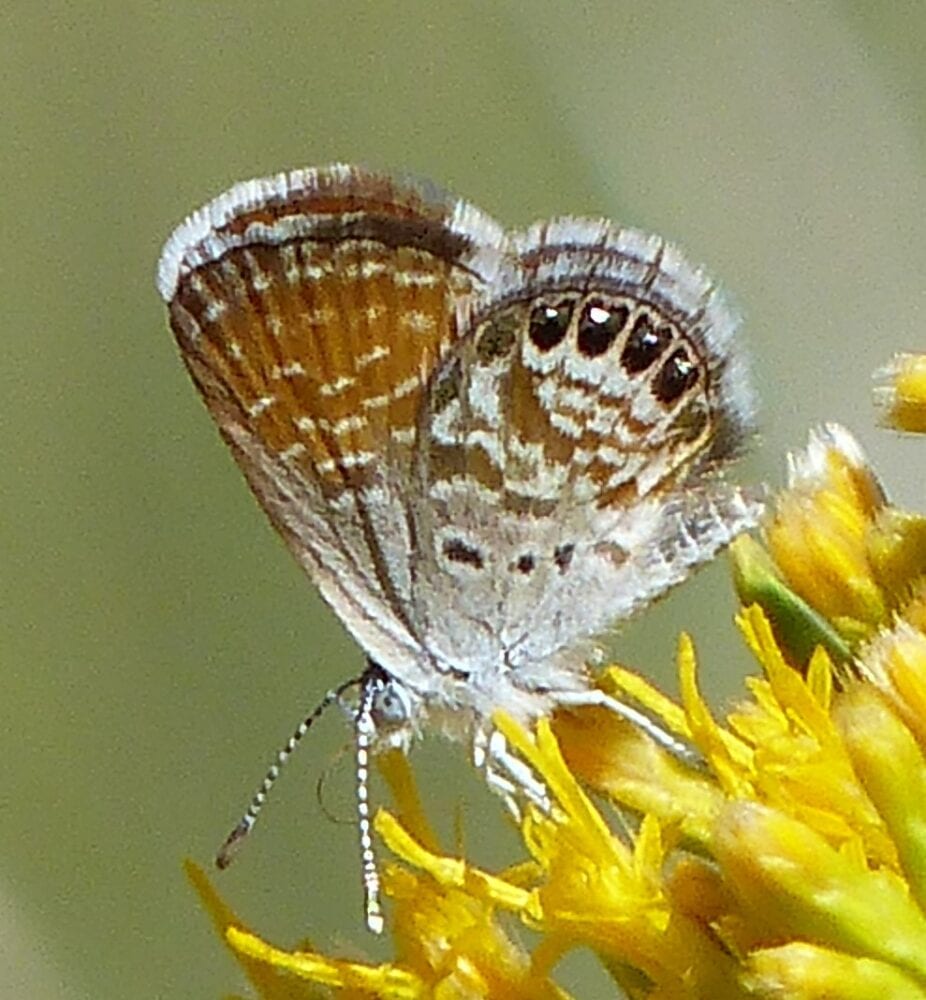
(484, 447)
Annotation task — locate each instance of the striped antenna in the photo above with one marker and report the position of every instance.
(230, 847)
(374, 682)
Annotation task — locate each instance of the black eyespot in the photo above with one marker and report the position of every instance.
(526, 563)
(548, 324)
(677, 374)
(599, 326)
(497, 337)
(562, 556)
(456, 550)
(644, 345)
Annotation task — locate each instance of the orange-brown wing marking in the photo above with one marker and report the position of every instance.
(322, 348)
(311, 311)
(316, 321)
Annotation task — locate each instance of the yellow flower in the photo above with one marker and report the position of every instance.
(841, 559)
(809, 860)
(788, 861)
(901, 393)
(448, 942)
(794, 858)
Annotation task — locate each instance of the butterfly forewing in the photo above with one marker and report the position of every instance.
(311, 313)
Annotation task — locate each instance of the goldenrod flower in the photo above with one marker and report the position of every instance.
(790, 862)
(840, 560)
(448, 942)
(795, 860)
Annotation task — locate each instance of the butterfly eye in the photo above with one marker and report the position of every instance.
(391, 706)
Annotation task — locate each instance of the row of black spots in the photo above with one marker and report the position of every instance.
(458, 551)
(599, 326)
(562, 557)
(645, 345)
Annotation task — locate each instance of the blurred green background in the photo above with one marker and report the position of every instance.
(157, 642)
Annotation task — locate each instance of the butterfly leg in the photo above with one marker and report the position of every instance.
(507, 774)
(662, 737)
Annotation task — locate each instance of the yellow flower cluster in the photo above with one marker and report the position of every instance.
(840, 561)
(789, 863)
